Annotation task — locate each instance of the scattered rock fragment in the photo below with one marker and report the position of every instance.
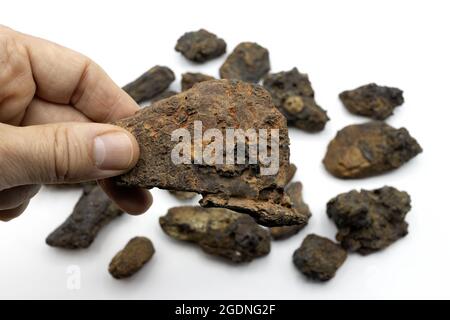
(163, 95)
(183, 195)
(188, 79)
(369, 221)
(200, 46)
(290, 173)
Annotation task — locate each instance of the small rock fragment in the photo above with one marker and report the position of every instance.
(132, 258)
(218, 231)
(164, 95)
(372, 100)
(293, 95)
(188, 79)
(150, 84)
(183, 195)
(369, 221)
(200, 46)
(92, 212)
(369, 149)
(248, 62)
(319, 258)
(290, 173)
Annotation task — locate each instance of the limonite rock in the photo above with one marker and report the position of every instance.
(218, 231)
(200, 46)
(372, 100)
(369, 221)
(369, 149)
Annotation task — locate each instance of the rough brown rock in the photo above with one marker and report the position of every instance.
(369, 221)
(369, 149)
(92, 212)
(218, 231)
(188, 79)
(132, 258)
(372, 100)
(290, 173)
(218, 104)
(293, 95)
(248, 62)
(150, 84)
(319, 258)
(200, 46)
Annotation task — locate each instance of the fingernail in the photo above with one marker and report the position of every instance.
(113, 151)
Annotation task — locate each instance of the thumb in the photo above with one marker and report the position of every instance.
(64, 152)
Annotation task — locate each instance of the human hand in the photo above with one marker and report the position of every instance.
(50, 97)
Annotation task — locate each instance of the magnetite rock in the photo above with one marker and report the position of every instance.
(137, 252)
(217, 104)
(372, 100)
(218, 231)
(188, 79)
(200, 46)
(150, 84)
(293, 95)
(369, 221)
(92, 212)
(319, 258)
(248, 62)
(369, 149)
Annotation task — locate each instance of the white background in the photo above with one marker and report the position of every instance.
(341, 45)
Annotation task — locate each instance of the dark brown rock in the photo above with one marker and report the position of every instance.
(372, 100)
(132, 258)
(92, 212)
(163, 95)
(200, 46)
(218, 231)
(218, 104)
(369, 221)
(293, 95)
(183, 195)
(369, 149)
(319, 258)
(248, 62)
(188, 79)
(150, 84)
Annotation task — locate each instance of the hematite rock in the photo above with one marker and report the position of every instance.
(319, 258)
(188, 79)
(93, 211)
(372, 100)
(293, 95)
(218, 104)
(200, 46)
(150, 84)
(248, 62)
(218, 231)
(369, 221)
(369, 149)
(132, 258)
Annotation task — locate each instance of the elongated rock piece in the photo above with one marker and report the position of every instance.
(188, 79)
(372, 100)
(319, 258)
(293, 95)
(200, 46)
(254, 188)
(248, 62)
(218, 231)
(150, 84)
(369, 149)
(132, 258)
(369, 221)
(92, 212)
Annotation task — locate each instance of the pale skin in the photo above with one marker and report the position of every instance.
(54, 108)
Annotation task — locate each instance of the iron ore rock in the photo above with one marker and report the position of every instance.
(150, 84)
(92, 212)
(369, 149)
(293, 95)
(218, 231)
(221, 105)
(319, 258)
(200, 46)
(369, 221)
(188, 79)
(372, 100)
(132, 258)
(248, 62)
